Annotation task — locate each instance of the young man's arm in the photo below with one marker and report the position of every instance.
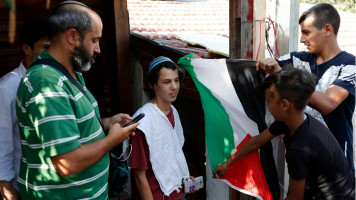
(328, 101)
(87, 155)
(250, 145)
(322, 102)
(296, 189)
(142, 184)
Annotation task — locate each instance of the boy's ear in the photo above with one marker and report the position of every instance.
(26, 49)
(285, 104)
(328, 29)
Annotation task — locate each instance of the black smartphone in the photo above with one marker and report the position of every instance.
(136, 119)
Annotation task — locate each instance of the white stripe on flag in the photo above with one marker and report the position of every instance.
(222, 88)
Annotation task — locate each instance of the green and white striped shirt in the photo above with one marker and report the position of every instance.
(54, 118)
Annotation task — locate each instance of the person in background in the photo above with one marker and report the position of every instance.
(157, 160)
(317, 166)
(333, 102)
(64, 146)
(34, 38)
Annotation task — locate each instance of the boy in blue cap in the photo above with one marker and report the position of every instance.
(157, 160)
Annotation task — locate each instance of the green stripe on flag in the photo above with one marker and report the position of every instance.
(218, 131)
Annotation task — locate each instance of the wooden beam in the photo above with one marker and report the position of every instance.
(287, 16)
(259, 12)
(243, 27)
(122, 34)
(235, 29)
(247, 29)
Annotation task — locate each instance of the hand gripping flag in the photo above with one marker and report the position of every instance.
(234, 111)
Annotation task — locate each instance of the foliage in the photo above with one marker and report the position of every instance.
(344, 5)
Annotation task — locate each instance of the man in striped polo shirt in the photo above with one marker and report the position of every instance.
(64, 148)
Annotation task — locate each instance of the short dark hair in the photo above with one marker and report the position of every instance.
(153, 75)
(292, 84)
(33, 31)
(324, 13)
(66, 16)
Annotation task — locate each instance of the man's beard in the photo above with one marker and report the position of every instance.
(81, 59)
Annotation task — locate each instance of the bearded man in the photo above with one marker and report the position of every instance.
(64, 148)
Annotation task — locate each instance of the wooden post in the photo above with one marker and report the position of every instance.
(244, 28)
(287, 16)
(235, 29)
(259, 12)
(122, 34)
(247, 29)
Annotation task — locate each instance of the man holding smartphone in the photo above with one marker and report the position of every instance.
(64, 147)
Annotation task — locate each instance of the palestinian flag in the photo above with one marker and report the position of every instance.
(234, 111)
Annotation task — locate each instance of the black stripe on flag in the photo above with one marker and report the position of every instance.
(246, 81)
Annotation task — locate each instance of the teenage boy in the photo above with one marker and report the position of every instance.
(317, 166)
(333, 102)
(157, 160)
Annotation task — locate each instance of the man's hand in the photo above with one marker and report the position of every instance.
(220, 170)
(120, 118)
(8, 192)
(118, 134)
(269, 65)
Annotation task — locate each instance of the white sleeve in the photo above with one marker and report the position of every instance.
(7, 120)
